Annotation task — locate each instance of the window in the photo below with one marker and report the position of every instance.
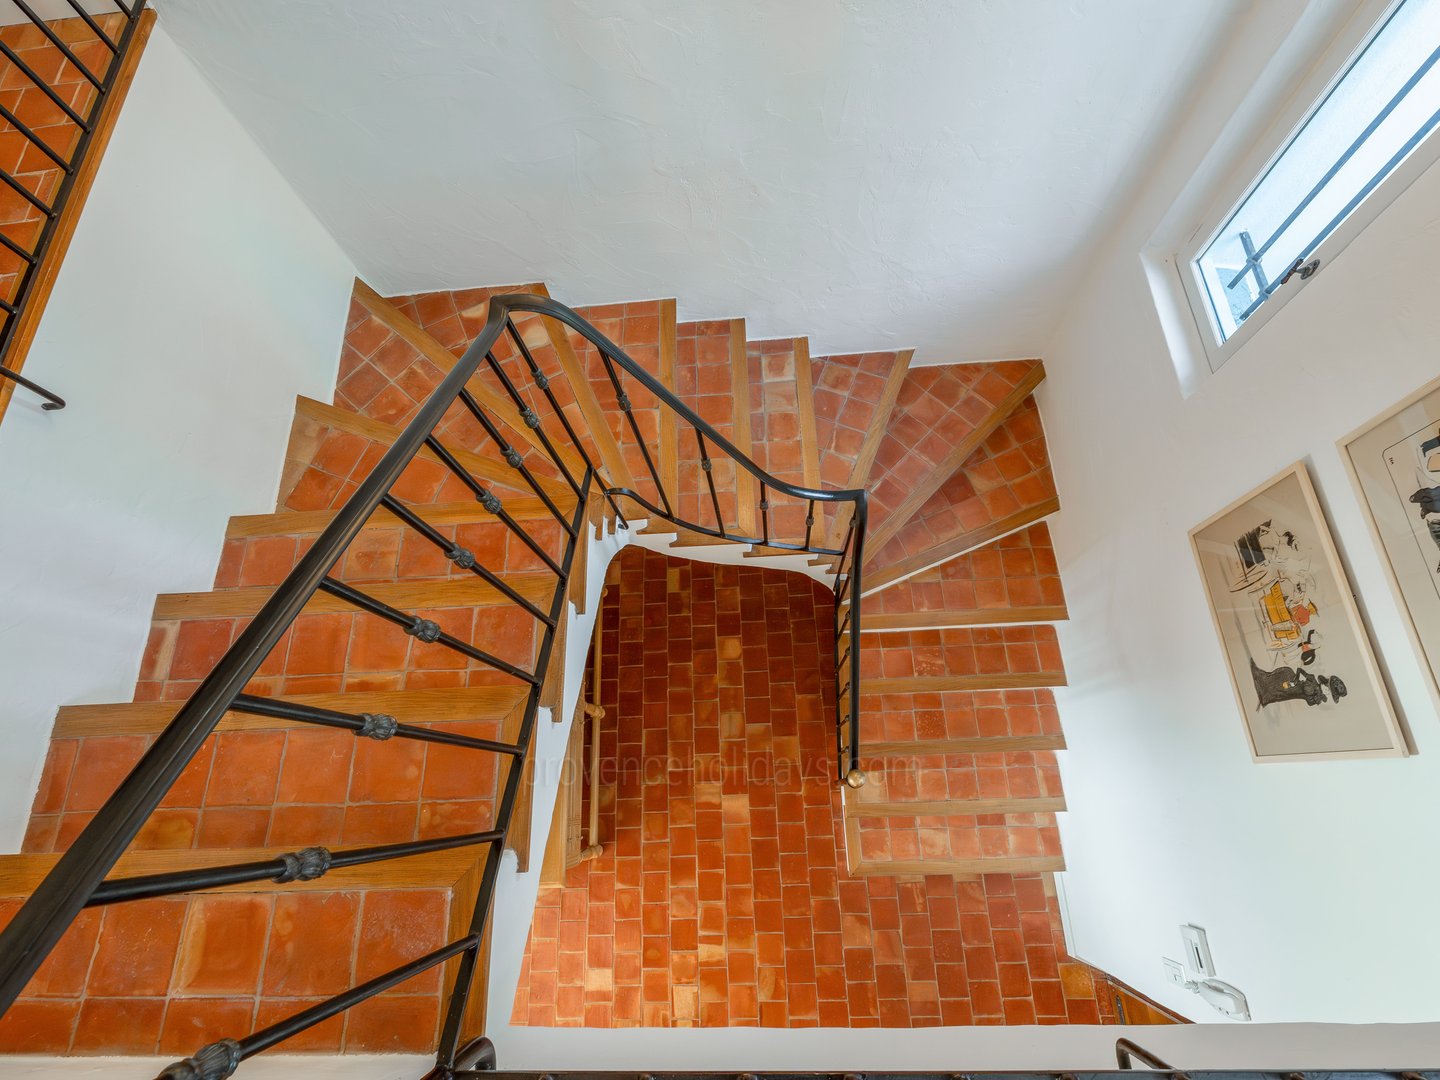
(1355, 148)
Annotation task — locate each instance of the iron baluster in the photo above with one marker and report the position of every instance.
(364, 725)
(622, 399)
(489, 500)
(707, 467)
(512, 457)
(531, 419)
(459, 556)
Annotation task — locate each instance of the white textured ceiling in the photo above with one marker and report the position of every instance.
(876, 173)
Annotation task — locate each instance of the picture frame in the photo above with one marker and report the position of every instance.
(1383, 457)
(1304, 675)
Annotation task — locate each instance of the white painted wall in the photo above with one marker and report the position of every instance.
(198, 298)
(1316, 881)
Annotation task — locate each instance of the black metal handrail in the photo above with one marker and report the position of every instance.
(85, 124)
(80, 877)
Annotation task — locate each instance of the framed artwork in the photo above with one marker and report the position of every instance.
(1301, 666)
(1394, 461)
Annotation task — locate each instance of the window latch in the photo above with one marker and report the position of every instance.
(1301, 269)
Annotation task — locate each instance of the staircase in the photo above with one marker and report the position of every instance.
(331, 747)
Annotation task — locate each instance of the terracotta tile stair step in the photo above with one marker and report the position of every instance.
(453, 320)
(1039, 804)
(961, 869)
(782, 426)
(712, 378)
(287, 783)
(646, 332)
(1015, 572)
(169, 975)
(460, 426)
(332, 450)
(1022, 841)
(854, 394)
(429, 706)
(1004, 486)
(407, 596)
(960, 717)
(464, 512)
(881, 622)
(934, 684)
(975, 745)
(390, 550)
(920, 451)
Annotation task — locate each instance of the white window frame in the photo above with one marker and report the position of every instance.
(1312, 92)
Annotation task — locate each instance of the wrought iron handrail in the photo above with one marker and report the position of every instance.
(32, 258)
(80, 879)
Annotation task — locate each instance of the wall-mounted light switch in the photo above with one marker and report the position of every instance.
(1197, 949)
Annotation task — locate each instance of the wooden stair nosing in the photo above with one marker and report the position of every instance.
(945, 620)
(874, 435)
(877, 578)
(428, 706)
(805, 401)
(669, 422)
(933, 684)
(605, 444)
(21, 874)
(960, 868)
(482, 468)
(499, 408)
(955, 459)
(746, 491)
(311, 522)
(858, 807)
(977, 744)
(537, 587)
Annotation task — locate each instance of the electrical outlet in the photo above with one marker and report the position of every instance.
(1174, 971)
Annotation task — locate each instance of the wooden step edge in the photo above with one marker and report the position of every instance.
(747, 489)
(961, 868)
(876, 578)
(949, 620)
(936, 684)
(669, 428)
(858, 807)
(537, 587)
(874, 436)
(312, 522)
(517, 838)
(805, 399)
(955, 459)
(611, 459)
(428, 706)
(977, 744)
(21, 874)
(483, 468)
(499, 408)
(762, 551)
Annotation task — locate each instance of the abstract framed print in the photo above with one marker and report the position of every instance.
(1302, 669)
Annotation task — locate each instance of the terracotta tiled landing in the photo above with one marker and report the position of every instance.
(704, 380)
(168, 976)
(1002, 650)
(19, 220)
(936, 408)
(1018, 571)
(1008, 474)
(775, 427)
(722, 897)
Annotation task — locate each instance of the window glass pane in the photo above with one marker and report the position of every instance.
(1371, 120)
